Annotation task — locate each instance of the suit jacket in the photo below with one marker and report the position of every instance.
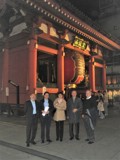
(28, 109)
(74, 117)
(51, 108)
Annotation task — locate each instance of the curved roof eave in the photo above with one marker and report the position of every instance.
(52, 10)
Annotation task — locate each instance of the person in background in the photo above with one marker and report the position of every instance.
(89, 115)
(46, 111)
(98, 95)
(101, 109)
(32, 111)
(105, 96)
(59, 116)
(74, 107)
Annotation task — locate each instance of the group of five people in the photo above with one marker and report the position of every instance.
(47, 110)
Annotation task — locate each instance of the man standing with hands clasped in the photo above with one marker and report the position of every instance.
(74, 107)
(31, 111)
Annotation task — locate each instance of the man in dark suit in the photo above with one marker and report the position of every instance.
(74, 107)
(46, 111)
(89, 115)
(31, 110)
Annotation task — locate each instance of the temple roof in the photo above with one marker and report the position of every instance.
(13, 12)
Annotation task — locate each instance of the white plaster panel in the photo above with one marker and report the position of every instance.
(53, 32)
(44, 28)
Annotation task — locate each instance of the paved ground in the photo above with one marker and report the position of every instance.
(106, 147)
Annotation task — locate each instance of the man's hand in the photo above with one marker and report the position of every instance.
(75, 110)
(47, 112)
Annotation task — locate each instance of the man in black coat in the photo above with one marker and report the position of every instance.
(46, 111)
(89, 115)
(31, 110)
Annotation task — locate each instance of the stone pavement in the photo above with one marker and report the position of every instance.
(106, 147)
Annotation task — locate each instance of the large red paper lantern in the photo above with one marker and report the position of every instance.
(74, 69)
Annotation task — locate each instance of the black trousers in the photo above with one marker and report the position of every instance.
(89, 130)
(59, 129)
(76, 125)
(45, 127)
(31, 128)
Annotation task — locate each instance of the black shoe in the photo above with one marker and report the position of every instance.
(87, 139)
(49, 140)
(90, 142)
(60, 140)
(33, 142)
(71, 138)
(77, 138)
(27, 145)
(57, 139)
(42, 141)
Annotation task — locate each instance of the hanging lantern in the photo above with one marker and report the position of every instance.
(74, 69)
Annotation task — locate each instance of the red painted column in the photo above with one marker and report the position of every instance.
(5, 72)
(104, 76)
(32, 64)
(92, 74)
(60, 68)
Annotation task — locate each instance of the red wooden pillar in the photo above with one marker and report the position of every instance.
(5, 76)
(32, 64)
(60, 68)
(104, 76)
(92, 74)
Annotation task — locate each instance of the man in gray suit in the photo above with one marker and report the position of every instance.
(74, 107)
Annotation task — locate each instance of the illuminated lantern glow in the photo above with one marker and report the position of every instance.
(74, 69)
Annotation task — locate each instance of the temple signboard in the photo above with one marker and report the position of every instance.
(79, 43)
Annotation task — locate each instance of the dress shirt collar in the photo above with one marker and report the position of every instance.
(88, 97)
